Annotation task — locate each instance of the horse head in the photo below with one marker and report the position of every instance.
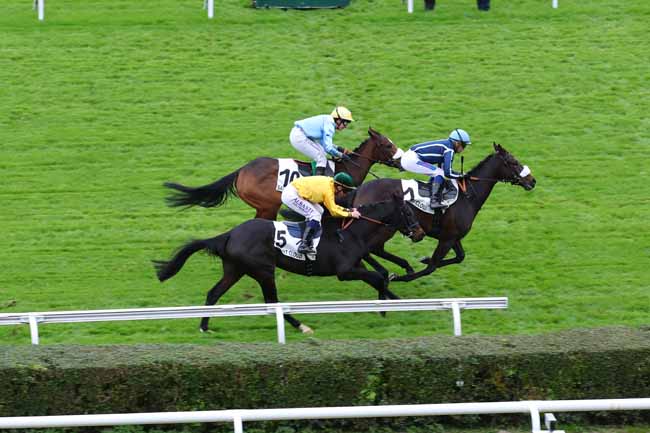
(512, 171)
(397, 214)
(382, 149)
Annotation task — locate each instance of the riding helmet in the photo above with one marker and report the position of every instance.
(344, 179)
(460, 135)
(343, 113)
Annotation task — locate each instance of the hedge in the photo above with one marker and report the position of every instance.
(576, 364)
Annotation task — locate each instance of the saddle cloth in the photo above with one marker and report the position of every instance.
(419, 194)
(288, 235)
(289, 170)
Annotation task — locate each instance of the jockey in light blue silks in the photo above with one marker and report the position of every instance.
(313, 136)
(435, 158)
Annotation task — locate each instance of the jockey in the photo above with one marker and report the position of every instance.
(304, 196)
(313, 136)
(435, 158)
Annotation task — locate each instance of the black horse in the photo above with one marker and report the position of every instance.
(456, 222)
(248, 249)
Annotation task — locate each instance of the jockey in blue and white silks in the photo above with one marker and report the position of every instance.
(313, 136)
(435, 159)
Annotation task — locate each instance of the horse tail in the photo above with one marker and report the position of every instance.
(213, 194)
(167, 269)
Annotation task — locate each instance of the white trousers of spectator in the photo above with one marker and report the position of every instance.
(308, 147)
(291, 198)
(411, 162)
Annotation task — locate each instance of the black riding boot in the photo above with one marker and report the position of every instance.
(306, 244)
(320, 171)
(436, 195)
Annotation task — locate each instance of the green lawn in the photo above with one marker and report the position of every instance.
(105, 100)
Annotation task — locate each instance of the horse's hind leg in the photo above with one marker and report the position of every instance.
(270, 292)
(231, 274)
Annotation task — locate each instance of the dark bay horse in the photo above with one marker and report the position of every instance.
(457, 221)
(255, 183)
(248, 249)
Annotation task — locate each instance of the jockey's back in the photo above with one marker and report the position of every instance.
(438, 152)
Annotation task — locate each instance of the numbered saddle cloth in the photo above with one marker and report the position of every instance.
(290, 169)
(288, 235)
(419, 194)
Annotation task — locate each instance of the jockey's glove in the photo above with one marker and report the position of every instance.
(345, 157)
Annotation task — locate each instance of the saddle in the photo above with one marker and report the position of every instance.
(289, 169)
(418, 193)
(288, 236)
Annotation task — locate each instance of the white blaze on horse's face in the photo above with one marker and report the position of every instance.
(398, 154)
(525, 171)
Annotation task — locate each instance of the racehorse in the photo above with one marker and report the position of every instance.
(457, 220)
(255, 182)
(250, 249)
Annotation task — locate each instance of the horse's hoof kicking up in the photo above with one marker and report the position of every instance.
(305, 329)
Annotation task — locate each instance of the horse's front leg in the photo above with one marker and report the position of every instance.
(436, 258)
(460, 256)
(373, 278)
(404, 264)
(376, 266)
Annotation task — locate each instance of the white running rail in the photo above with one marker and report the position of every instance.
(453, 304)
(238, 417)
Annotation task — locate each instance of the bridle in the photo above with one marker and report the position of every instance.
(516, 178)
(389, 163)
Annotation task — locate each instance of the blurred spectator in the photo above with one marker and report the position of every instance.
(483, 5)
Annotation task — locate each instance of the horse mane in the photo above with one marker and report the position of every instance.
(481, 164)
(358, 148)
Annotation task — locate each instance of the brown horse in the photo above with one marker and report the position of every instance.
(457, 220)
(255, 183)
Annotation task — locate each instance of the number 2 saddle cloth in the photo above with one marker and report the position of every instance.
(419, 194)
(290, 169)
(287, 236)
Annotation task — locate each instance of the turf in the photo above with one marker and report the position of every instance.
(105, 100)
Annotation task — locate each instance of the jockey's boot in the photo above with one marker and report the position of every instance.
(436, 195)
(320, 171)
(306, 244)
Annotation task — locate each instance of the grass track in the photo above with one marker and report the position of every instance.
(105, 100)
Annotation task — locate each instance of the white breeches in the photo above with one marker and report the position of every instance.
(411, 162)
(311, 211)
(307, 146)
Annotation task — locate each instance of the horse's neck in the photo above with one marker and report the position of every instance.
(479, 190)
(364, 160)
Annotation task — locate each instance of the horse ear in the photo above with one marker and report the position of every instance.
(371, 132)
(497, 146)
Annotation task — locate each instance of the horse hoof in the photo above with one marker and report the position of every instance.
(392, 276)
(206, 331)
(305, 329)
(424, 261)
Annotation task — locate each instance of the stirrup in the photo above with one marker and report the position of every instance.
(306, 249)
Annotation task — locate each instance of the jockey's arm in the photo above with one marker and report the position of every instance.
(326, 141)
(447, 162)
(330, 204)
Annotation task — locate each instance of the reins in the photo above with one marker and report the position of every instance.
(346, 222)
(358, 165)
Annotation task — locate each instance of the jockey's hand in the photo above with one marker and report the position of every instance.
(355, 213)
(342, 149)
(345, 157)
